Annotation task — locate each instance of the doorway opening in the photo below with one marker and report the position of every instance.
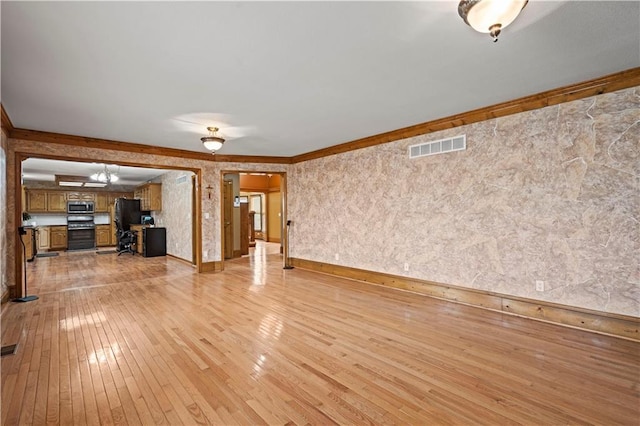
(253, 213)
(38, 185)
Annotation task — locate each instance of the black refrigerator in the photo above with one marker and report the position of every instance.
(127, 212)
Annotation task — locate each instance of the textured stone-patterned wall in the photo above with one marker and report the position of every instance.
(176, 213)
(3, 214)
(547, 195)
(211, 228)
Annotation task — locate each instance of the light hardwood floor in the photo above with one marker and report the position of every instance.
(133, 340)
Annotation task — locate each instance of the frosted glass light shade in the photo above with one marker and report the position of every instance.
(212, 143)
(490, 16)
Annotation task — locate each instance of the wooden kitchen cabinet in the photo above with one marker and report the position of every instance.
(57, 202)
(81, 196)
(103, 235)
(42, 238)
(39, 201)
(150, 195)
(58, 237)
(28, 241)
(36, 201)
(155, 197)
(43, 201)
(102, 202)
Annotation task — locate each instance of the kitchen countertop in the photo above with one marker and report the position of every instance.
(41, 220)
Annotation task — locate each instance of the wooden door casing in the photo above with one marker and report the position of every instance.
(228, 219)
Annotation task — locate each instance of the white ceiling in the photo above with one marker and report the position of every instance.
(285, 78)
(44, 170)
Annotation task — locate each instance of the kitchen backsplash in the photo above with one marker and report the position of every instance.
(44, 219)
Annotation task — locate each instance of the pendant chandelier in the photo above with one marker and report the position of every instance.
(104, 176)
(213, 142)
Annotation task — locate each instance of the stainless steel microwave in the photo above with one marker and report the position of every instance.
(80, 207)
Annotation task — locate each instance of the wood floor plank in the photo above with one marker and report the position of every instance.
(11, 410)
(53, 391)
(8, 388)
(29, 401)
(71, 327)
(64, 372)
(142, 341)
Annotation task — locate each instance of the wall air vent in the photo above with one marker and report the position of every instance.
(457, 143)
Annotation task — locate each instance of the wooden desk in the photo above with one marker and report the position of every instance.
(138, 231)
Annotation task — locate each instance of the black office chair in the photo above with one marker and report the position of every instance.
(126, 241)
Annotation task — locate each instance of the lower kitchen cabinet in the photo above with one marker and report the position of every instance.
(103, 235)
(28, 239)
(58, 237)
(42, 238)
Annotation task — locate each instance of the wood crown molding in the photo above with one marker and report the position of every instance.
(87, 142)
(7, 125)
(624, 326)
(221, 158)
(598, 86)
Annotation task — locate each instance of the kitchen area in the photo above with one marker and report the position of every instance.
(60, 220)
(72, 206)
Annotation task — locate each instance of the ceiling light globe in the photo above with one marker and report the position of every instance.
(212, 143)
(490, 16)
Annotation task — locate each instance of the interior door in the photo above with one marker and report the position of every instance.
(274, 216)
(228, 219)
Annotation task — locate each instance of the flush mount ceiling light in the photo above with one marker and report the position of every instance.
(78, 181)
(212, 142)
(490, 16)
(104, 176)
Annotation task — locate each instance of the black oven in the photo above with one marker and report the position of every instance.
(81, 232)
(81, 238)
(80, 207)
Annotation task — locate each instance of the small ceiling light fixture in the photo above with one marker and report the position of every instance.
(212, 142)
(490, 16)
(78, 181)
(104, 176)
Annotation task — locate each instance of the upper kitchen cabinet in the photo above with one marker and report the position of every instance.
(102, 202)
(150, 196)
(81, 196)
(57, 202)
(36, 201)
(39, 201)
(52, 201)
